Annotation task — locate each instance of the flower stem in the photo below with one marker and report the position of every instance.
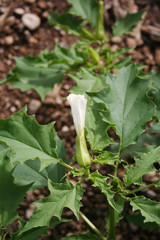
(65, 165)
(140, 189)
(112, 232)
(92, 226)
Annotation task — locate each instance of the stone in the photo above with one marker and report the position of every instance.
(30, 1)
(13, 109)
(42, 4)
(9, 40)
(131, 42)
(34, 106)
(19, 11)
(31, 21)
(30, 211)
(116, 39)
(1, 50)
(65, 129)
(33, 40)
(10, 21)
(45, 14)
(157, 56)
(2, 67)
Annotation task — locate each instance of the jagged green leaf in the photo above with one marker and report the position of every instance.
(124, 62)
(61, 195)
(81, 236)
(88, 81)
(128, 104)
(100, 182)
(28, 75)
(144, 144)
(87, 10)
(138, 220)
(10, 194)
(96, 128)
(34, 233)
(155, 128)
(71, 56)
(155, 90)
(29, 172)
(41, 73)
(124, 25)
(106, 157)
(142, 166)
(66, 21)
(149, 209)
(28, 139)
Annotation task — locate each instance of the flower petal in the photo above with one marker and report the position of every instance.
(78, 107)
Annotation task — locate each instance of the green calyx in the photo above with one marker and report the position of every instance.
(95, 56)
(100, 31)
(82, 155)
(87, 34)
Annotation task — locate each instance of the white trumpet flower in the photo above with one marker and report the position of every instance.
(78, 107)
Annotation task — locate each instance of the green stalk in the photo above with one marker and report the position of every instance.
(117, 164)
(92, 226)
(140, 189)
(1, 238)
(112, 230)
(65, 165)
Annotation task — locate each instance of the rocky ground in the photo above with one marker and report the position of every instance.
(17, 38)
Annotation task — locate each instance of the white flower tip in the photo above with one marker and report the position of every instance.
(78, 107)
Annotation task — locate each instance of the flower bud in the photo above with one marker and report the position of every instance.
(78, 107)
(100, 31)
(95, 56)
(82, 155)
(87, 34)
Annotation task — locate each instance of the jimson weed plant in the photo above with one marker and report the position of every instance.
(32, 155)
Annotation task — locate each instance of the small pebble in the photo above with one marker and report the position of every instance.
(30, 1)
(9, 40)
(1, 50)
(13, 109)
(33, 40)
(30, 211)
(11, 20)
(116, 39)
(42, 4)
(34, 106)
(59, 100)
(157, 56)
(2, 67)
(19, 11)
(151, 194)
(31, 21)
(131, 42)
(65, 129)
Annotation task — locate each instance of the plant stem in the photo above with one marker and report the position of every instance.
(1, 234)
(92, 226)
(112, 232)
(65, 165)
(140, 189)
(116, 169)
(117, 164)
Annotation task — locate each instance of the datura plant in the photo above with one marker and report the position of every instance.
(32, 156)
(84, 19)
(110, 114)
